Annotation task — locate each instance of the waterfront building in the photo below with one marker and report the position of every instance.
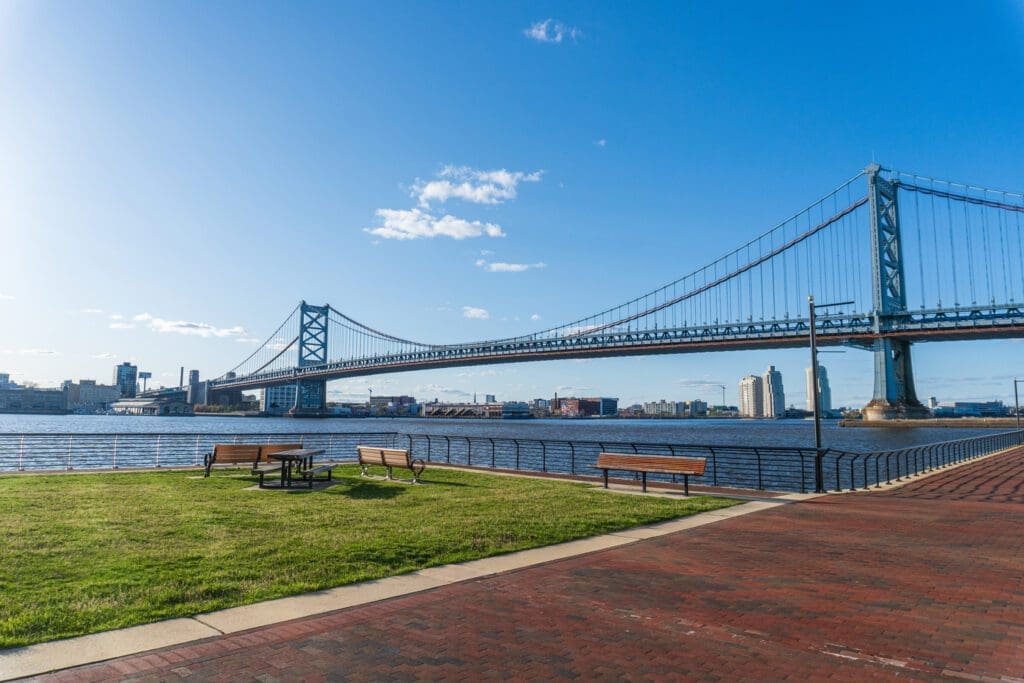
(515, 410)
(540, 407)
(698, 408)
(972, 409)
(825, 391)
(16, 399)
(774, 395)
(89, 397)
(660, 408)
(489, 398)
(752, 396)
(152, 407)
(277, 400)
(5, 381)
(126, 378)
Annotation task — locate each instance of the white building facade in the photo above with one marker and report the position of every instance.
(752, 396)
(774, 394)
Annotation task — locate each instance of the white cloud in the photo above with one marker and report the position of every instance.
(39, 352)
(185, 327)
(92, 311)
(6, 297)
(535, 316)
(501, 267)
(551, 31)
(472, 185)
(475, 313)
(601, 143)
(122, 326)
(116, 316)
(248, 340)
(104, 355)
(414, 224)
(277, 346)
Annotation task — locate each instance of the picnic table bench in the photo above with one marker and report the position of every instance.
(390, 458)
(256, 455)
(657, 464)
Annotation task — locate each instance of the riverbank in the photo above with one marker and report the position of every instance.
(956, 422)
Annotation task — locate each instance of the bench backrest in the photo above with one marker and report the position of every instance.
(267, 449)
(652, 463)
(386, 457)
(232, 452)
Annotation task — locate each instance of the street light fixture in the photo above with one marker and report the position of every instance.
(819, 476)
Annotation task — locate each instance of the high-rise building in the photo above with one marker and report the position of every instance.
(774, 395)
(126, 378)
(825, 391)
(489, 398)
(278, 400)
(752, 396)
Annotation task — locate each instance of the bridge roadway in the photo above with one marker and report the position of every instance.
(859, 330)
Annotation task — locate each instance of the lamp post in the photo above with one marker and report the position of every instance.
(1016, 401)
(819, 476)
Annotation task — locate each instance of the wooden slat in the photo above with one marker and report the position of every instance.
(235, 453)
(266, 450)
(661, 464)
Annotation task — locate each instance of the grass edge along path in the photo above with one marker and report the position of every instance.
(94, 552)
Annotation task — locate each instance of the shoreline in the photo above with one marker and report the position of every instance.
(950, 423)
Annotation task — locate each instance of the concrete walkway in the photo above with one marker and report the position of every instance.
(921, 582)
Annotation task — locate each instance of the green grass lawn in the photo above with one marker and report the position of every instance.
(92, 552)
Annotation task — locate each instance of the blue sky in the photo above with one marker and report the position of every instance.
(214, 163)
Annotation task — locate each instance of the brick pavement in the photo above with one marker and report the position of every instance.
(923, 582)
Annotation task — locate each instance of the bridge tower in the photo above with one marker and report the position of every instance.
(311, 395)
(894, 395)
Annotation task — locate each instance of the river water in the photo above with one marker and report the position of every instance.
(750, 454)
(729, 432)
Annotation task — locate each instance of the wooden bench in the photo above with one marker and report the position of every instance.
(656, 464)
(389, 458)
(254, 455)
(231, 454)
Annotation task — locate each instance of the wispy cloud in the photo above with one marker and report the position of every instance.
(502, 267)
(551, 31)
(472, 185)
(535, 317)
(186, 327)
(92, 311)
(399, 224)
(247, 340)
(116, 316)
(104, 355)
(38, 352)
(121, 326)
(601, 143)
(6, 297)
(475, 313)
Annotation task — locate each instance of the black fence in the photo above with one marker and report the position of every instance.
(852, 471)
(30, 452)
(769, 468)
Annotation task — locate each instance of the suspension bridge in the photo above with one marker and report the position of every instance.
(913, 259)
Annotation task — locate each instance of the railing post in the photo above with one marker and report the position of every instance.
(760, 479)
(70, 439)
(543, 456)
(819, 472)
(158, 437)
(469, 451)
(448, 453)
(517, 453)
(714, 466)
(493, 461)
(572, 458)
(21, 455)
(115, 450)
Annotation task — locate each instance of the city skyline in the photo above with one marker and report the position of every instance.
(144, 239)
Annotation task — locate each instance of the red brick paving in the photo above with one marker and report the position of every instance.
(923, 582)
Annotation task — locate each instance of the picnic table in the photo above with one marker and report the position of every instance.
(301, 456)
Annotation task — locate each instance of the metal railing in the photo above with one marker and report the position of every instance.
(746, 467)
(771, 468)
(47, 451)
(851, 471)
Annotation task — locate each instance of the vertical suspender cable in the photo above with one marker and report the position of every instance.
(920, 244)
(970, 255)
(952, 251)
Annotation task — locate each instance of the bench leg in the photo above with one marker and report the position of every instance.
(261, 480)
(606, 478)
(390, 476)
(686, 484)
(365, 472)
(645, 482)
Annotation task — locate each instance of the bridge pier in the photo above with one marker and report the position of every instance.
(310, 399)
(895, 397)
